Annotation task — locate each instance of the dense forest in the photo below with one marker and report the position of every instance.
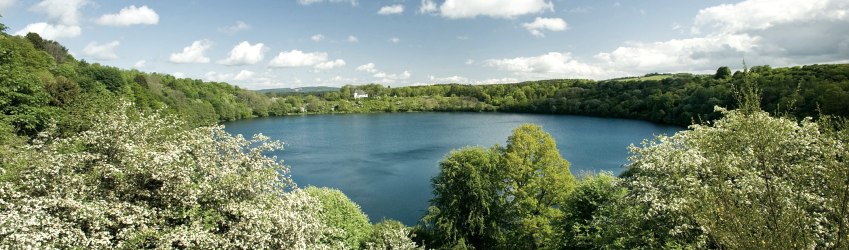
(679, 99)
(96, 157)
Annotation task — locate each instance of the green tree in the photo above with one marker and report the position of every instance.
(749, 180)
(538, 179)
(143, 181)
(722, 73)
(3, 27)
(23, 100)
(468, 202)
(390, 235)
(340, 213)
(502, 198)
(592, 193)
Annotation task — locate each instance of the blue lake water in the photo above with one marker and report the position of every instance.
(384, 162)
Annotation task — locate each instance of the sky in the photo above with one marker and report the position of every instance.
(296, 43)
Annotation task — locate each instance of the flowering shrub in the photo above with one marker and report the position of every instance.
(141, 181)
(390, 235)
(747, 181)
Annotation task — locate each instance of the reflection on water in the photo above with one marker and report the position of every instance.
(384, 162)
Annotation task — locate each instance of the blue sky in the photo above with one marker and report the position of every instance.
(295, 43)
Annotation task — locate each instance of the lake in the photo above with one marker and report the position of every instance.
(384, 162)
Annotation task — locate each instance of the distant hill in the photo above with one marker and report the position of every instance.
(318, 89)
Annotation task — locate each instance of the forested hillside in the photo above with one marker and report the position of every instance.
(679, 99)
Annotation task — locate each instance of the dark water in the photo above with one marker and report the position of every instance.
(384, 162)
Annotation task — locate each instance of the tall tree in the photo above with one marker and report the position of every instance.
(538, 179)
(722, 73)
(503, 197)
(468, 199)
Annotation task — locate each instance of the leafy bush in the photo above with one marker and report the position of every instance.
(341, 214)
(142, 181)
(390, 235)
(747, 181)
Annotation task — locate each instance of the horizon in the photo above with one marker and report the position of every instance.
(307, 43)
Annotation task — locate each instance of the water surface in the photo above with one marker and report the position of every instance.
(384, 162)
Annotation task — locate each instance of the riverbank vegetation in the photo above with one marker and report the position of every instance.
(747, 180)
(95, 157)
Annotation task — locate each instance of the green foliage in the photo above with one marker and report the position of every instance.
(747, 181)
(143, 181)
(582, 206)
(23, 101)
(500, 198)
(340, 213)
(390, 235)
(722, 73)
(538, 179)
(52, 48)
(468, 203)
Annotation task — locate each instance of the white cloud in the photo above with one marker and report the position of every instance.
(428, 6)
(390, 78)
(51, 31)
(330, 64)
(308, 2)
(763, 14)
(140, 64)
(384, 77)
(539, 24)
(130, 16)
(297, 58)
(244, 75)
(101, 51)
(235, 28)
(6, 4)
(63, 19)
(213, 76)
(497, 81)
(394, 40)
(552, 64)
(66, 12)
(193, 53)
(779, 33)
(470, 61)
(676, 26)
(353, 39)
(391, 10)
(244, 54)
(674, 54)
(493, 8)
(369, 67)
(582, 9)
(179, 75)
(317, 37)
(463, 38)
(450, 79)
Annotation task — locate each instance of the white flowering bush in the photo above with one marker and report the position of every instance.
(391, 235)
(748, 181)
(142, 181)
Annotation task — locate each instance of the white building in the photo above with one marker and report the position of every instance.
(360, 94)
